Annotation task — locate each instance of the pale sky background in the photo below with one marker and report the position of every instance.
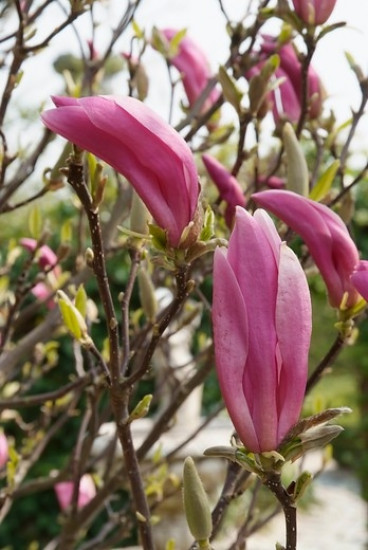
(205, 23)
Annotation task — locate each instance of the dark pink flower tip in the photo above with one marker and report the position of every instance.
(262, 325)
(359, 278)
(326, 236)
(228, 186)
(314, 12)
(139, 144)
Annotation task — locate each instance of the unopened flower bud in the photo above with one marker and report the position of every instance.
(196, 505)
(297, 169)
(319, 436)
(141, 409)
(73, 319)
(89, 256)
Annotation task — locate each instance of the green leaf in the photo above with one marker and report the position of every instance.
(73, 319)
(231, 92)
(158, 235)
(11, 465)
(139, 33)
(325, 182)
(92, 164)
(175, 42)
(297, 168)
(35, 222)
(208, 229)
(141, 409)
(301, 484)
(81, 301)
(66, 232)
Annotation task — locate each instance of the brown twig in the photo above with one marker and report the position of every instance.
(330, 356)
(120, 395)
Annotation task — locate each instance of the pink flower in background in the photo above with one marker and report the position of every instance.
(314, 12)
(136, 142)
(64, 492)
(273, 182)
(194, 67)
(228, 186)
(4, 450)
(286, 98)
(46, 259)
(327, 238)
(262, 325)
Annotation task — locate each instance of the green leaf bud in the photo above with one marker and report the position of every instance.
(196, 504)
(297, 169)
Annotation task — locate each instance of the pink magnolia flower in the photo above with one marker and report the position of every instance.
(136, 142)
(327, 238)
(286, 98)
(262, 325)
(4, 449)
(314, 12)
(64, 492)
(285, 101)
(194, 67)
(228, 186)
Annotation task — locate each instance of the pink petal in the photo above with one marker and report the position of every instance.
(293, 327)
(230, 327)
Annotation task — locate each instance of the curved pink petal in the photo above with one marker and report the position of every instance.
(326, 236)
(139, 144)
(230, 327)
(194, 67)
(252, 257)
(285, 101)
(293, 327)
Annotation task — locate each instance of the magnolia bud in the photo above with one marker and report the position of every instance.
(147, 294)
(141, 409)
(297, 169)
(231, 92)
(196, 505)
(73, 319)
(301, 484)
(319, 436)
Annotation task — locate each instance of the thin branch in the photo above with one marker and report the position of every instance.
(329, 358)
